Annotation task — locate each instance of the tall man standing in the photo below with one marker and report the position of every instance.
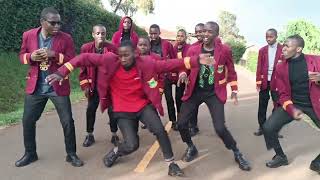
(298, 82)
(208, 84)
(265, 75)
(44, 50)
(88, 82)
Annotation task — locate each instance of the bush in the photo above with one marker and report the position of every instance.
(78, 17)
(252, 61)
(238, 48)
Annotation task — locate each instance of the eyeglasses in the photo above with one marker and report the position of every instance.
(54, 23)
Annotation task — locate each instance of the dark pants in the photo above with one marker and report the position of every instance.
(264, 96)
(33, 108)
(93, 103)
(128, 124)
(216, 108)
(277, 120)
(170, 101)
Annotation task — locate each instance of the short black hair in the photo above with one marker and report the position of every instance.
(273, 31)
(46, 11)
(98, 25)
(145, 37)
(214, 24)
(199, 24)
(156, 26)
(297, 38)
(183, 30)
(127, 43)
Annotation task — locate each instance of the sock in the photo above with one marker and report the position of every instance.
(114, 133)
(90, 133)
(279, 151)
(169, 161)
(115, 149)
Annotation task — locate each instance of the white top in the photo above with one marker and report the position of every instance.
(272, 50)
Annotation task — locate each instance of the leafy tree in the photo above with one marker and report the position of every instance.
(228, 26)
(130, 7)
(307, 30)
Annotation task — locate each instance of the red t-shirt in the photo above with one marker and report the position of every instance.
(127, 91)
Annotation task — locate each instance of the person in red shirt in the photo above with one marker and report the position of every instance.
(132, 82)
(88, 82)
(298, 83)
(44, 50)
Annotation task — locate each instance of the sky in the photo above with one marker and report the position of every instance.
(253, 17)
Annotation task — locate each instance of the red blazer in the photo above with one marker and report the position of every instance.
(224, 71)
(263, 65)
(63, 47)
(88, 74)
(284, 87)
(173, 77)
(148, 70)
(116, 38)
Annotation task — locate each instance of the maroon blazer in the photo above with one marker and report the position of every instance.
(196, 43)
(284, 87)
(173, 77)
(263, 65)
(88, 74)
(63, 47)
(116, 38)
(224, 71)
(148, 69)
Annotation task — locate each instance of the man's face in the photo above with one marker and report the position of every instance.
(143, 46)
(290, 48)
(181, 37)
(51, 24)
(154, 34)
(126, 56)
(271, 37)
(127, 24)
(199, 32)
(209, 33)
(99, 34)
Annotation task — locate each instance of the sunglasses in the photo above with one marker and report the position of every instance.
(54, 23)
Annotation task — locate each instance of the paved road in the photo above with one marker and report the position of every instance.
(301, 143)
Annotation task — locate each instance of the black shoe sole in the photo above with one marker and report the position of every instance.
(73, 164)
(176, 174)
(279, 165)
(31, 161)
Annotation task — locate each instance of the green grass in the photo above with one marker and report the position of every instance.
(12, 87)
(252, 61)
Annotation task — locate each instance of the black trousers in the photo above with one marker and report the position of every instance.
(33, 108)
(93, 103)
(280, 118)
(170, 101)
(264, 96)
(129, 124)
(216, 108)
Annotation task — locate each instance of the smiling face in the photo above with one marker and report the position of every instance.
(210, 32)
(199, 32)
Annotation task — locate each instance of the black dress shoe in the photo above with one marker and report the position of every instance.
(174, 126)
(243, 163)
(277, 161)
(89, 140)
(190, 154)
(110, 158)
(174, 170)
(74, 160)
(26, 159)
(259, 132)
(315, 164)
(115, 140)
(194, 131)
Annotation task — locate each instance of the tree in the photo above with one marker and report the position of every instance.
(130, 7)
(308, 31)
(228, 26)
